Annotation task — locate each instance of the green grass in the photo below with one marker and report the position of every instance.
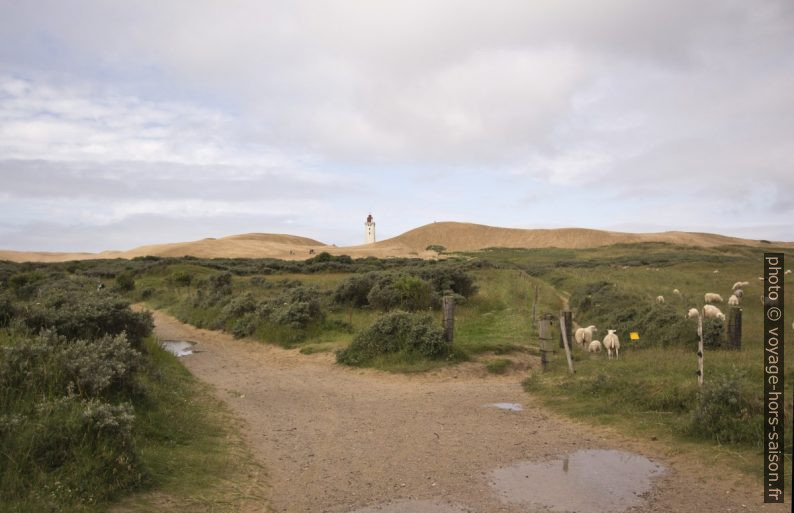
(498, 366)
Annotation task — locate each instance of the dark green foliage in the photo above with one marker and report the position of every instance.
(401, 291)
(7, 310)
(354, 290)
(296, 308)
(125, 282)
(608, 306)
(449, 279)
(88, 316)
(397, 332)
(727, 412)
(438, 248)
(182, 278)
(713, 332)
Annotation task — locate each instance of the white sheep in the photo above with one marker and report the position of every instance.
(692, 313)
(738, 293)
(711, 297)
(595, 346)
(660, 299)
(711, 312)
(677, 292)
(584, 336)
(733, 300)
(788, 271)
(611, 343)
(716, 271)
(740, 284)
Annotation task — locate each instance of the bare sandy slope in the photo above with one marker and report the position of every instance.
(414, 243)
(338, 440)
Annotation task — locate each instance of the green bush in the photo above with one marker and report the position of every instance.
(727, 411)
(438, 248)
(397, 332)
(401, 291)
(181, 278)
(354, 290)
(7, 310)
(125, 282)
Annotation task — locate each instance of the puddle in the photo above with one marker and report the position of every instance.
(589, 481)
(414, 506)
(178, 347)
(505, 406)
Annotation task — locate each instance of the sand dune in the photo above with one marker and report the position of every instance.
(453, 236)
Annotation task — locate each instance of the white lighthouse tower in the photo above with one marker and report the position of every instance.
(369, 230)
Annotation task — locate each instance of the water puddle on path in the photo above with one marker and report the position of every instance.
(588, 481)
(178, 347)
(505, 406)
(414, 506)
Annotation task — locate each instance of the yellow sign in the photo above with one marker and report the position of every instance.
(634, 335)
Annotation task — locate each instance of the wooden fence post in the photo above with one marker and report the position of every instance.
(700, 348)
(544, 328)
(535, 305)
(735, 328)
(566, 320)
(448, 306)
(564, 331)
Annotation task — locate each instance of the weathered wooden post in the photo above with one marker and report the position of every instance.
(700, 348)
(564, 331)
(735, 328)
(546, 345)
(448, 307)
(566, 320)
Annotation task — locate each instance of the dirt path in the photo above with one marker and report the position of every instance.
(340, 440)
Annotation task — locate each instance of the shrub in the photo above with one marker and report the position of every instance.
(726, 411)
(401, 291)
(125, 282)
(438, 248)
(296, 308)
(181, 278)
(397, 332)
(7, 310)
(713, 332)
(354, 290)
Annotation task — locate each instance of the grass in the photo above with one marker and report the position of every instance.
(498, 366)
(190, 446)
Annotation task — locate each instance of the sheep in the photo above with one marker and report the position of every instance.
(711, 312)
(676, 292)
(738, 293)
(711, 297)
(692, 313)
(733, 300)
(740, 284)
(611, 343)
(584, 336)
(788, 271)
(716, 271)
(660, 299)
(595, 346)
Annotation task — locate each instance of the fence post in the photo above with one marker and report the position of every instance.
(564, 331)
(700, 348)
(535, 305)
(544, 328)
(735, 328)
(448, 306)
(566, 320)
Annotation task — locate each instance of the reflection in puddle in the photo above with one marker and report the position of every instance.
(414, 506)
(506, 406)
(178, 347)
(590, 481)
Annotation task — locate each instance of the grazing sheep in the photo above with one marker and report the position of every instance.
(738, 293)
(692, 313)
(711, 297)
(788, 271)
(716, 271)
(595, 346)
(677, 292)
(584, 336)
(611, 343)
(712, 312)
(740, 284)
(761, 278)
(660, 299)
(733, 300)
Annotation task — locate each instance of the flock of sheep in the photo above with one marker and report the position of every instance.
(584, 336)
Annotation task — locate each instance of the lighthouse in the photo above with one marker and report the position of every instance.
(369, 230)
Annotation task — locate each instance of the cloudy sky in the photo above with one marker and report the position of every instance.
(127, 123)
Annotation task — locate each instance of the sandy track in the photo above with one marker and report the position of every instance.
(337, 440)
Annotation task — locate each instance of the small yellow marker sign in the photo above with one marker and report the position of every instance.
(634, 335)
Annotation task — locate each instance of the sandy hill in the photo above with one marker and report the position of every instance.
(470, 237)
(453, 236)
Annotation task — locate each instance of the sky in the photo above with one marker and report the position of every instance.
(127, 123)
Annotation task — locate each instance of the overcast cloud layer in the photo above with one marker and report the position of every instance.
(128, 123)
